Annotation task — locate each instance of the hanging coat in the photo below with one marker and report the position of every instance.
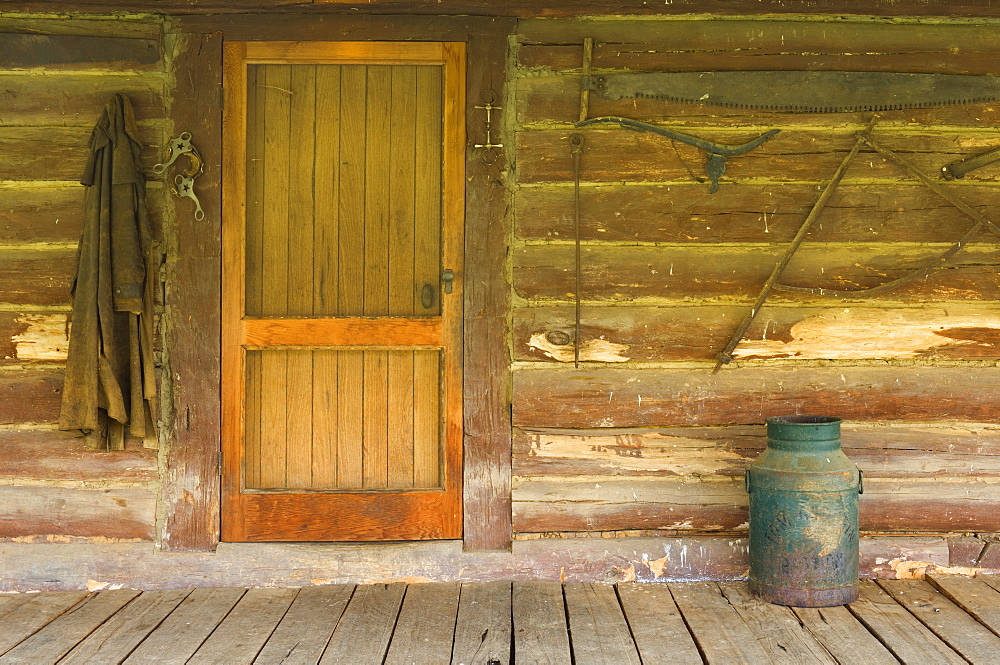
(109, 370)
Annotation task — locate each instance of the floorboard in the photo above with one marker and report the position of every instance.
(908, 639)
(121, 634)
(425, 630)
(660, 634)
(483, 628)
(305, 630)
(777, 628)
(540, 633)
(844, 636)
(598, 632)
(991, 580)
(67, 630)
(30, 616)
(363, 633)
(973, 595)
(944, 620)
(971, 639)
(242, 634)
(176, 639)
(722, 635)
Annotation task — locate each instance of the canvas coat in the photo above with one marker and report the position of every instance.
(109, 370)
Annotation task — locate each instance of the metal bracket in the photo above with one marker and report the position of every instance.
(715, 164)
(488, 97)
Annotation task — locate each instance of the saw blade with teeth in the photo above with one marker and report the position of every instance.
(801, 91)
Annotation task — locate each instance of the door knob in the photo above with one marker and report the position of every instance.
(447, 277)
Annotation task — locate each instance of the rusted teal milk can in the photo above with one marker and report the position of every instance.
(804, 515)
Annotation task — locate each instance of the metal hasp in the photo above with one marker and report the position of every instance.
(801, 91)
(804, 515)
(716, 153)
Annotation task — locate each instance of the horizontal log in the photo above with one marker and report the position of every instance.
(811, 156)
(645, 334)
(37, 276)
(747, 212)
(556, 99)
(608, 503)
(60, 153)
(74, 100)
(655, 397)
(54, 455)
(54, 214)
(56, 511)
(30, 396)
(28, 51)
(33, 337)
(142, 566)
(93, 27)
(626, 273)
(768, 37)
(941, 450)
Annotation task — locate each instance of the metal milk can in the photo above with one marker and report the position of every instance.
(804, 515)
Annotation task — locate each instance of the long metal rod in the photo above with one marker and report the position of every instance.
(576, 149)
(726, 355)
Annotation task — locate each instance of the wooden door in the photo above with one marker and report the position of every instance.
(342, 291)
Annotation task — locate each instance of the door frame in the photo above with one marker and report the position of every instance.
(192, 338)
(266, 516)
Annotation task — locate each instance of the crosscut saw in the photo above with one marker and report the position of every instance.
(801, 91)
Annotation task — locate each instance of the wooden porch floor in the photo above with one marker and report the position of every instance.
(942, 620)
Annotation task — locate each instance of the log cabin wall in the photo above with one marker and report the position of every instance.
(643, 436)
(55, 78)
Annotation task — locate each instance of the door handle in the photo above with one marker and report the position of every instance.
(447, 277)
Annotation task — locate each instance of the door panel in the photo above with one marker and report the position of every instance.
(342, 378)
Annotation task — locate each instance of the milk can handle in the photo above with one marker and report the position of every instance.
(861, 481)
(746, 480)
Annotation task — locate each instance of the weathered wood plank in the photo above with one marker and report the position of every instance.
(843, 636)
(306, 628)
(176, 639)
(26, 51)
(975, 642)
(647, 333)
(30, 396)
(483, 626)
(541, 100)
(721, 634)
(119, 26)
(598, 630)
(608, 503)
(620, 155)
(37, 276)
(661, 397)
(991, 580)
(246, 628)
(657, 627)
(53, 455)
(972, 595)
(727, 273)
(42, 100)
(126, 514)
(746, 212)
(425, 629)
(33, 337)
(192, 327)
(115, 639)
(540, 632)
(758, 36)
(363, 633)
(29, 617)
(53, 641)
(487, 301)
(882, 450)
(777, 629)
(909, 640)
(60, 153)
